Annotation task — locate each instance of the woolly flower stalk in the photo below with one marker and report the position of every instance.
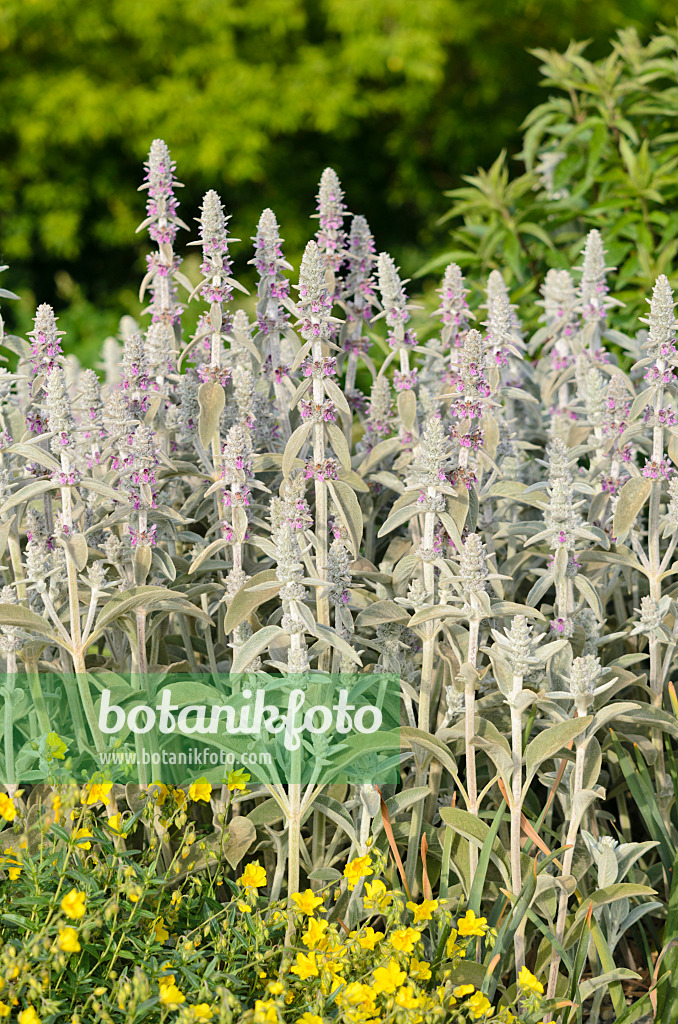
(162, 223)
(593, 289)
(559, 301)
(289, 571)
(561, 515)
(661, 339)
(271, 266)
(379, 419)
(315, 301)
(616, 408)
(502, 335)
(135, 382)
(242, 346)
(359, 300)
(159, 349)
(272, 317)
(141, 481)
(59, 417)
(583, 680)
(236, 460)
(397, 314)
(661, 346)
(93, 407)
(453, 310)
(162, 205)
(46, 348)
(472, 565)
(471, 392)
(331, 236)
(496, 288)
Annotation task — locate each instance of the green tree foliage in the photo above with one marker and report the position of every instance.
(601, 152)
(254, 98)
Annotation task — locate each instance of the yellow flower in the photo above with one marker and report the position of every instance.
(243, 907)
(238, 780)
(4, 1009)
(309, 1018)
(95, 792)
(201, 789)
(307, 901)
(423, 911)
(265, 1012)
(170, 995)
(202, 1013)
(354, 994)
(276, 988)
(81, 836)
(369, 938)
(406, 998)
(404, 939)
(161, 933)
(253, 876)
(529, 983)
(29, 1016)
(452, 948)
(315, 932)
(7, 808)
(68, 940)
(480, 1006)
(115, 822)
(420, 969)
(472, 925)
(159, 792)
(388, 979)
(73, 904)
(306, 966)
(177, 897)
(357, 869)
(11, 864)
(463, 990)
(377, 896)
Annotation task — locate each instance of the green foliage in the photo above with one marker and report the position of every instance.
(602, 152)
(254, 99)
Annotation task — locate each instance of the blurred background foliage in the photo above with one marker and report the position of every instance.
(255, 98)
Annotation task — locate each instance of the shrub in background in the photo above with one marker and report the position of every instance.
(601, 152)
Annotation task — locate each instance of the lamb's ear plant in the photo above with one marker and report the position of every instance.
(324, 483)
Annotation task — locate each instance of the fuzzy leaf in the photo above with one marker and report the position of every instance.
(293, 447)
(24, 618)
(632, 497)
(253, 647)
(349, 510)
(211, 399)
(552, 740)
(248, 598)
(407, 410)
(379, 612)
(27, 493)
